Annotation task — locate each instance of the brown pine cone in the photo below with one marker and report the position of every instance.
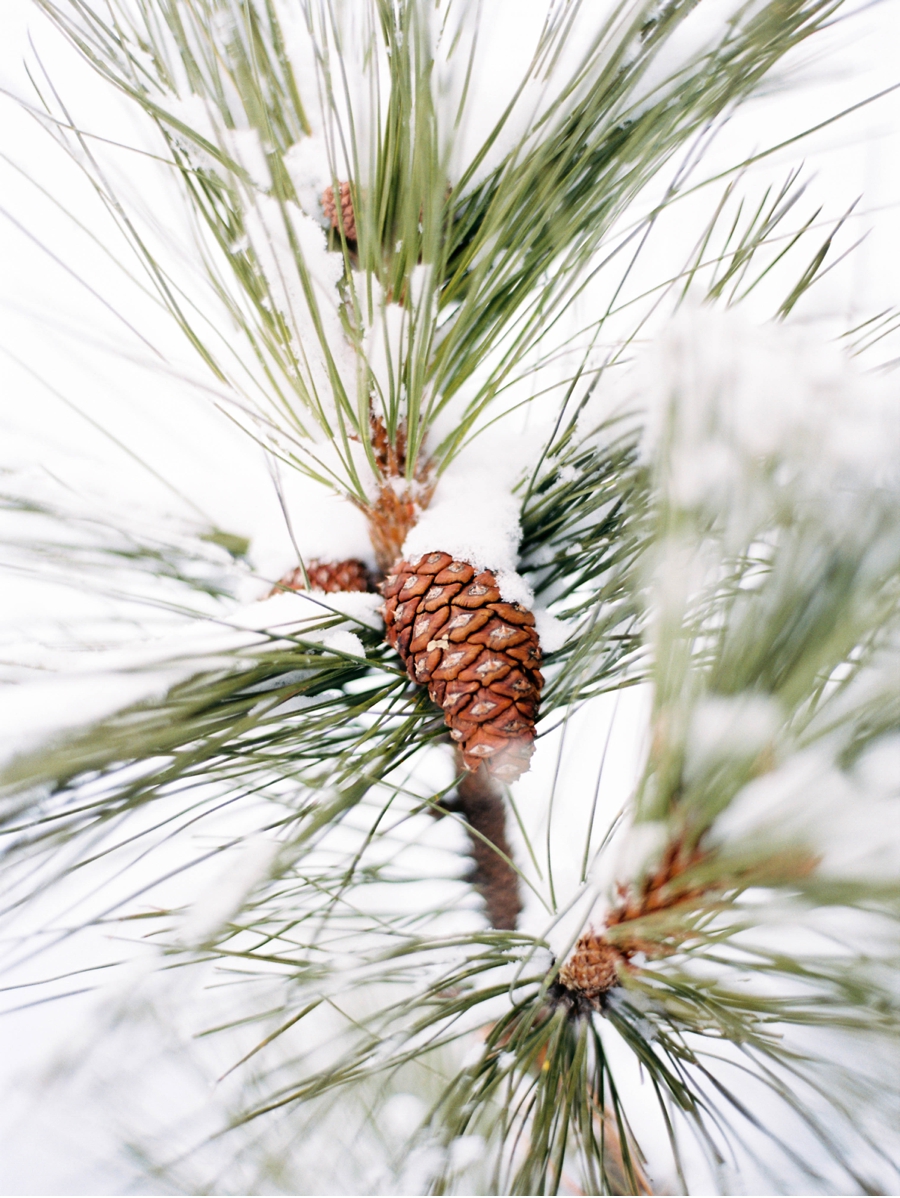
(593, 968)
(349, 575)
(347, 219)
(478, 656)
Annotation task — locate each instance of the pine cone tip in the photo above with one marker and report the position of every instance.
(591, 971)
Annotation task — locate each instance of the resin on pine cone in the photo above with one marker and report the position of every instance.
(346, 219)
(478, 656)
(349, 575)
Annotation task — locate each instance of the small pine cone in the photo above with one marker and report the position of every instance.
(592, 970)
(349, 575)
(347, 220)
(478, 656)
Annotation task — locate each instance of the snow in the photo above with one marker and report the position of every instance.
(851, 821)
(356, 605)
(552, 632)
(640, 845)
(247, 150)
(78, 689)
(224, 896)
(464, 1151)
(878, 770)
(310, 172)
(274, 230)
(734, 726)
(344, 642)
(32, 714)
(474, 513)
(403, 1113)
(384, 342)
(195, 114)
(726, 400)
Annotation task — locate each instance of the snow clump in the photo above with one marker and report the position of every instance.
(225, 896)
(849, 818)
(733, 408)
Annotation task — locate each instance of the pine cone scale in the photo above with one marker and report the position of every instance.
(486, 707)
(515, 685)
(391, 584)
(339, 212)
(432, 564)
(438, 596)
(425, 628)
(498, 635)
(460, 572)
(453, 695)
(454, 660)
(513, 614)
(478, 594)
(463, 623)
(489, 667)
(414, 586)
(331, 577)
(477, 654)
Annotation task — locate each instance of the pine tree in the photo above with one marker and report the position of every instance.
(390, 300)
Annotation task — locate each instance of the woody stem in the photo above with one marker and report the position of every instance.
(480, 801)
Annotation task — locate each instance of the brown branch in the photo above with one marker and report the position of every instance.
(480, 802)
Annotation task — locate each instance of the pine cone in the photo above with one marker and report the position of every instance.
(347, 219)
(349, 575)
(478, 655)
(592, 970)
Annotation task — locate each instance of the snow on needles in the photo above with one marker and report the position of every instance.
(730, 404)
(96, 685)
(223, 898)
(850, 818)
(767, 449)
(286, 241)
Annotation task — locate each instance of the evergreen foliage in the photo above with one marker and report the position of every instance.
(756, 599)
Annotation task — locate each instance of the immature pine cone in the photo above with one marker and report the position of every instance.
(592, 970)
(350, 575)
(478, 655)
(347, 219)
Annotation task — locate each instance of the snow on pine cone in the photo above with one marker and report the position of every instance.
(478, 656)
(349, 575)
